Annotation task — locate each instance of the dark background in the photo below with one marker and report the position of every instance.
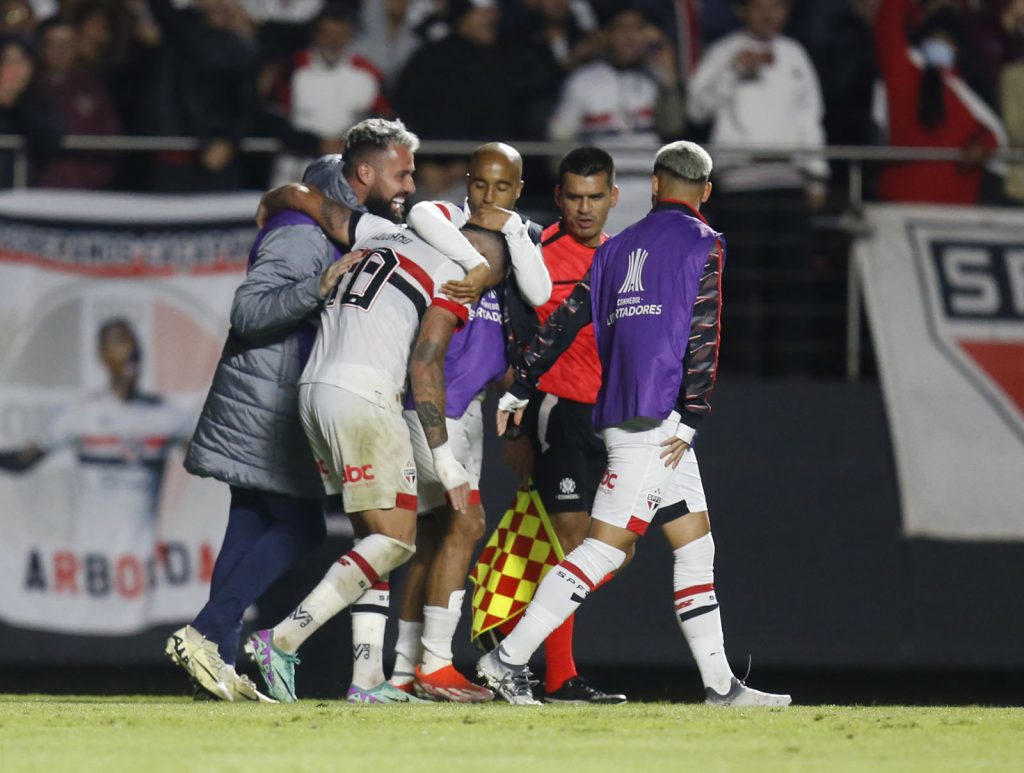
(818, 587)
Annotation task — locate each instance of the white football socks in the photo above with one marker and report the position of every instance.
(697, 613)
(408, 652)
(439, 624)
(369, 623)
(347, 579)
(564, 588)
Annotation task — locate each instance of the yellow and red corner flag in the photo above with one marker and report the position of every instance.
(515, 559)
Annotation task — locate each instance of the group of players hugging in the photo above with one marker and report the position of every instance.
(361, 342)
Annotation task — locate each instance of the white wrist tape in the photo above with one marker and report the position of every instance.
(449, 471)
(509, 403)
(514, 226)
(685, 433)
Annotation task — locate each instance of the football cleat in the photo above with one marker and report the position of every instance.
(741, 696)
(382, 693)
(189, 649)
(245, 690)
(575, 690)
(276, 666)
(512, 683)
(447, 684)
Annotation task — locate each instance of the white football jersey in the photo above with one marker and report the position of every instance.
(369, 324)
(122, 448)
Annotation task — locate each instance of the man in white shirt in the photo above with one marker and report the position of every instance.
(758, 88)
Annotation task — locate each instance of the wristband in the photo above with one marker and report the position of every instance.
(446, 466)
(686, 433)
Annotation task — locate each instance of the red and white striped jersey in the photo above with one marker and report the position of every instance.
(369, 324)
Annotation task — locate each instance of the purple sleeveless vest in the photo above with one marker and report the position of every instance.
(644, 284)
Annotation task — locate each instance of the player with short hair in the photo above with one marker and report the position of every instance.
(350, 399)
(434, 589)
(655, 301)
(560, 449)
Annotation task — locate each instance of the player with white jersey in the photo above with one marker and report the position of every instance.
(350, 400)
(434, 590)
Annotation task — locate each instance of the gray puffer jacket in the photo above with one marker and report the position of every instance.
(249, 432)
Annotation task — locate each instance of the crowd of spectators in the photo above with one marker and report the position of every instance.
(946, 73)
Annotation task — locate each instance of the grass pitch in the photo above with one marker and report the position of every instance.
(52, 734)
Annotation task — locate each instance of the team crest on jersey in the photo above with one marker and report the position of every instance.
(974, 286)
(634, 281)
(409, 473)
(654, 500)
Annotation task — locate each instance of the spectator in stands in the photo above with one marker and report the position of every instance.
(207, 89)
(17, 17)
(329, 91)
(461, 87)
(389, 36)
(24, 109)
(559, 37)
(85, 107)
(927, 104)
(1011, 90)
(632, 95)
(758, 88)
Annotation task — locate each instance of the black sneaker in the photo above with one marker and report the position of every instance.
(575, 690)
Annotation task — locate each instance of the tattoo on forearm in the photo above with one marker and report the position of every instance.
(332, 216)
(430, 415)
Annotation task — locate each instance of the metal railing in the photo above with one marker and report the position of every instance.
(629, 159)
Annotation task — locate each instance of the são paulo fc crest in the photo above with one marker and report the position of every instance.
(654, 500)
(409, 473)
(973, 285)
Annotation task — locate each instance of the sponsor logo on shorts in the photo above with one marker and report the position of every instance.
(356, 474)
(608, 481)
(409, 473)
(654, 500)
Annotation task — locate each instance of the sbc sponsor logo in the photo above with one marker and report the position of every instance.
(608, 481)
(356, 474)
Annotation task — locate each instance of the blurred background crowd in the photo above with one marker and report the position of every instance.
(735, 73)
(759, 72)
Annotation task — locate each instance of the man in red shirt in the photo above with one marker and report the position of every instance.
(561, 450)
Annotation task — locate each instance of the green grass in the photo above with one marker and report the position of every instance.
(44, 733)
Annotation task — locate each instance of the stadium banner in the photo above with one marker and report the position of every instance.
(113, 312)
(944, 290)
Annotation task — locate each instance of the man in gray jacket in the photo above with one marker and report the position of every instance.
(249, 435)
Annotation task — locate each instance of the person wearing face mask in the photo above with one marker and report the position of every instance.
(929, 105)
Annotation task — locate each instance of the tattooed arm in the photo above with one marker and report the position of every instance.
(333, 217)
(426, 378)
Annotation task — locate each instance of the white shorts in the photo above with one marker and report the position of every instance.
(466, 438)
(637, 484)
(361, 447)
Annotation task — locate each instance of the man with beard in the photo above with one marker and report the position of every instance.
(249, 435)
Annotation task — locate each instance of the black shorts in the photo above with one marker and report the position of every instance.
(569, 456)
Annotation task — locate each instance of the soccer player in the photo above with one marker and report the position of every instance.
(434, 590)
(561, 449)
(655, 301)
(249, 435)
(350, 403)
